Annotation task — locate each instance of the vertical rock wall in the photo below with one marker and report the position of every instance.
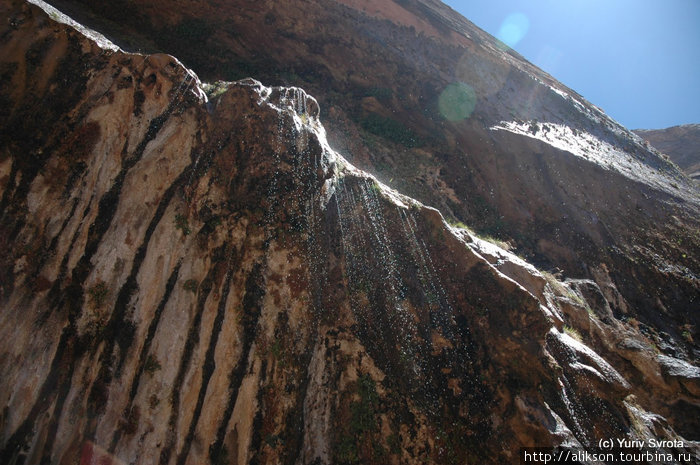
(194, 276)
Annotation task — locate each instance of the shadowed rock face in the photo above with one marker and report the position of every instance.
(194, 275)
(680, 143)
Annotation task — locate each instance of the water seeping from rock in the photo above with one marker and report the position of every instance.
(227, 288)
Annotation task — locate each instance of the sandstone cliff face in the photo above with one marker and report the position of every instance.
(193, 275)
(680, 143)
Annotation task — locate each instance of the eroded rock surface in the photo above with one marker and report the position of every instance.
(680, 143)
(438, 109)
(193, 275)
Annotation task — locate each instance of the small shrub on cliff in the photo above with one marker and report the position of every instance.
(573, 333)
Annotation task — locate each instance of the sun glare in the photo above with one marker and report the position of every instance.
(513, 29)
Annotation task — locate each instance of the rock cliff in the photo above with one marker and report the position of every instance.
(197, 273)
(444, 113)
(680, 143)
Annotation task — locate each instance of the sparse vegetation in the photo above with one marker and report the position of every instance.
(484, 237)
(655, 347)
(152, 364)
(686, 333)
(98, 294)
(502, 244)
(363, 422)
(216, 89)
(363, 411)
(182, 224)
(556, 285)
(576, 298)
(590, 311)
(632, 322)
(458, 224)
(573, 333)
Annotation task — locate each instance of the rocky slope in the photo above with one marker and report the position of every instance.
(194, 275)
(680, 143)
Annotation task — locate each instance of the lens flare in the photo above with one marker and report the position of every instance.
(513, 29)
(457, 101)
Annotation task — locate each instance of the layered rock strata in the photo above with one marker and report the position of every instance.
(193, 275)
(443, 112)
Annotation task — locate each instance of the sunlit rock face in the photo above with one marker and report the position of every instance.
(680, 143)
(194, 274)
(436, 108)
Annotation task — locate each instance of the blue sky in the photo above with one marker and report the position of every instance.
(639, 60)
